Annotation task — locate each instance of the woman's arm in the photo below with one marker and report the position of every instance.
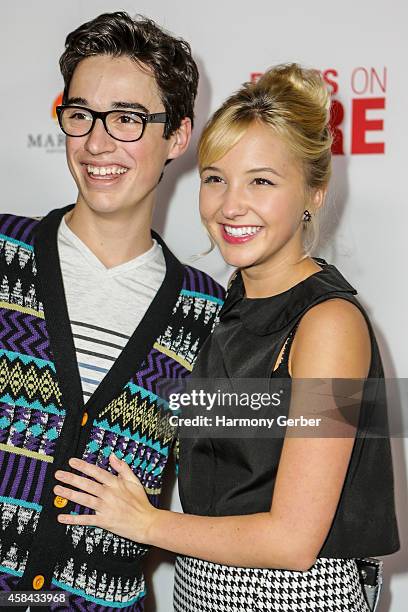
(332, 341)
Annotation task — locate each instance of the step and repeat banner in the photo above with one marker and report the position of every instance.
(360, 47)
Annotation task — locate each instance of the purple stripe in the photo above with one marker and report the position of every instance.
(33, 338)
(17, 227)
(20, 470)
(40, 482)
(157, 373)
(7, 223)
(216, 289)
(44, 349)
(2, 456)
(7, 475)
(140, 375)
(5, 328)
(18, 332)
(29, 481)
(197, 276)
(211, 287)
(28, 229)
(201, 281)
(167, 368)
(191, 284)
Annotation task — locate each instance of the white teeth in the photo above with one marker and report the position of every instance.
(241, 231)
(104, 170)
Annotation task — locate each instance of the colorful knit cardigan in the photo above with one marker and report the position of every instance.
(42, 425)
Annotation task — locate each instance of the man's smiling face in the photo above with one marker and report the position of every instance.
(111, 175)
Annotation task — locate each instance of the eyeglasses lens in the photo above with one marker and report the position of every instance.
(123, 125)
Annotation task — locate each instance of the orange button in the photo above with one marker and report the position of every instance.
(38, 582)
(84, 419)
(60, 502)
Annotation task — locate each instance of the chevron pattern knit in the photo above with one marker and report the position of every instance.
(98, 570)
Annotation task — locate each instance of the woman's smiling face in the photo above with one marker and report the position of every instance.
(252, 200)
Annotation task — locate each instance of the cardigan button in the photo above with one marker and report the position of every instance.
(84, 419)
(60, 502)
(38, 582)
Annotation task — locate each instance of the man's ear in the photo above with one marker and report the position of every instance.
(180, 139)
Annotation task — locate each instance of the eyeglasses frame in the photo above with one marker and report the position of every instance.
(145, 117)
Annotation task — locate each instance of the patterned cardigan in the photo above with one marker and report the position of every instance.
(43, 420)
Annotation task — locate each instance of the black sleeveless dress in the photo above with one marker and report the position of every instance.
(221, 477)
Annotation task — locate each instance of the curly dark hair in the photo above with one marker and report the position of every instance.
(143, 41)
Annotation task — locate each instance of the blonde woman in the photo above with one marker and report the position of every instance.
(272, 523)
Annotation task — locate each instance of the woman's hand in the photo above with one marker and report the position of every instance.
(120, 502)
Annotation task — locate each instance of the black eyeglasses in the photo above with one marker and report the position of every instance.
(123, 125)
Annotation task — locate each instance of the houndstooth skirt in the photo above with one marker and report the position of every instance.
(331, 585)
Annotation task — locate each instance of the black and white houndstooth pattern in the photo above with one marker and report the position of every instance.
(331, 585)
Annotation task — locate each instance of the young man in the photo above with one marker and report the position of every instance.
(96, 315)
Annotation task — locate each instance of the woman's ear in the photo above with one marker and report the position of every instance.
(318, 198)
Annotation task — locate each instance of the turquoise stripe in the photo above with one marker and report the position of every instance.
(98, 600)
(21, 401)
(127, 434)
(26, 359)
(8, 570)
(20, 502)
(204, 296)
(145, 393)
(14, 241)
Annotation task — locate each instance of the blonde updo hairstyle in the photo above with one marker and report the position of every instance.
(295, 102)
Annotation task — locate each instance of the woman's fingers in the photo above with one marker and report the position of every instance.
(100, 475)
(89, 501)
(123, 470)
(79, 519)
(79, 482)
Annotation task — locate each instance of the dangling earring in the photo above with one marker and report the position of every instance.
(306, 216)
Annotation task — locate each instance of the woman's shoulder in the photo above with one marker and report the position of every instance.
(332, 340)
(335, 312)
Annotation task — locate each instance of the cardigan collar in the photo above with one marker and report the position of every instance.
(153, 324)
(263, 316)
